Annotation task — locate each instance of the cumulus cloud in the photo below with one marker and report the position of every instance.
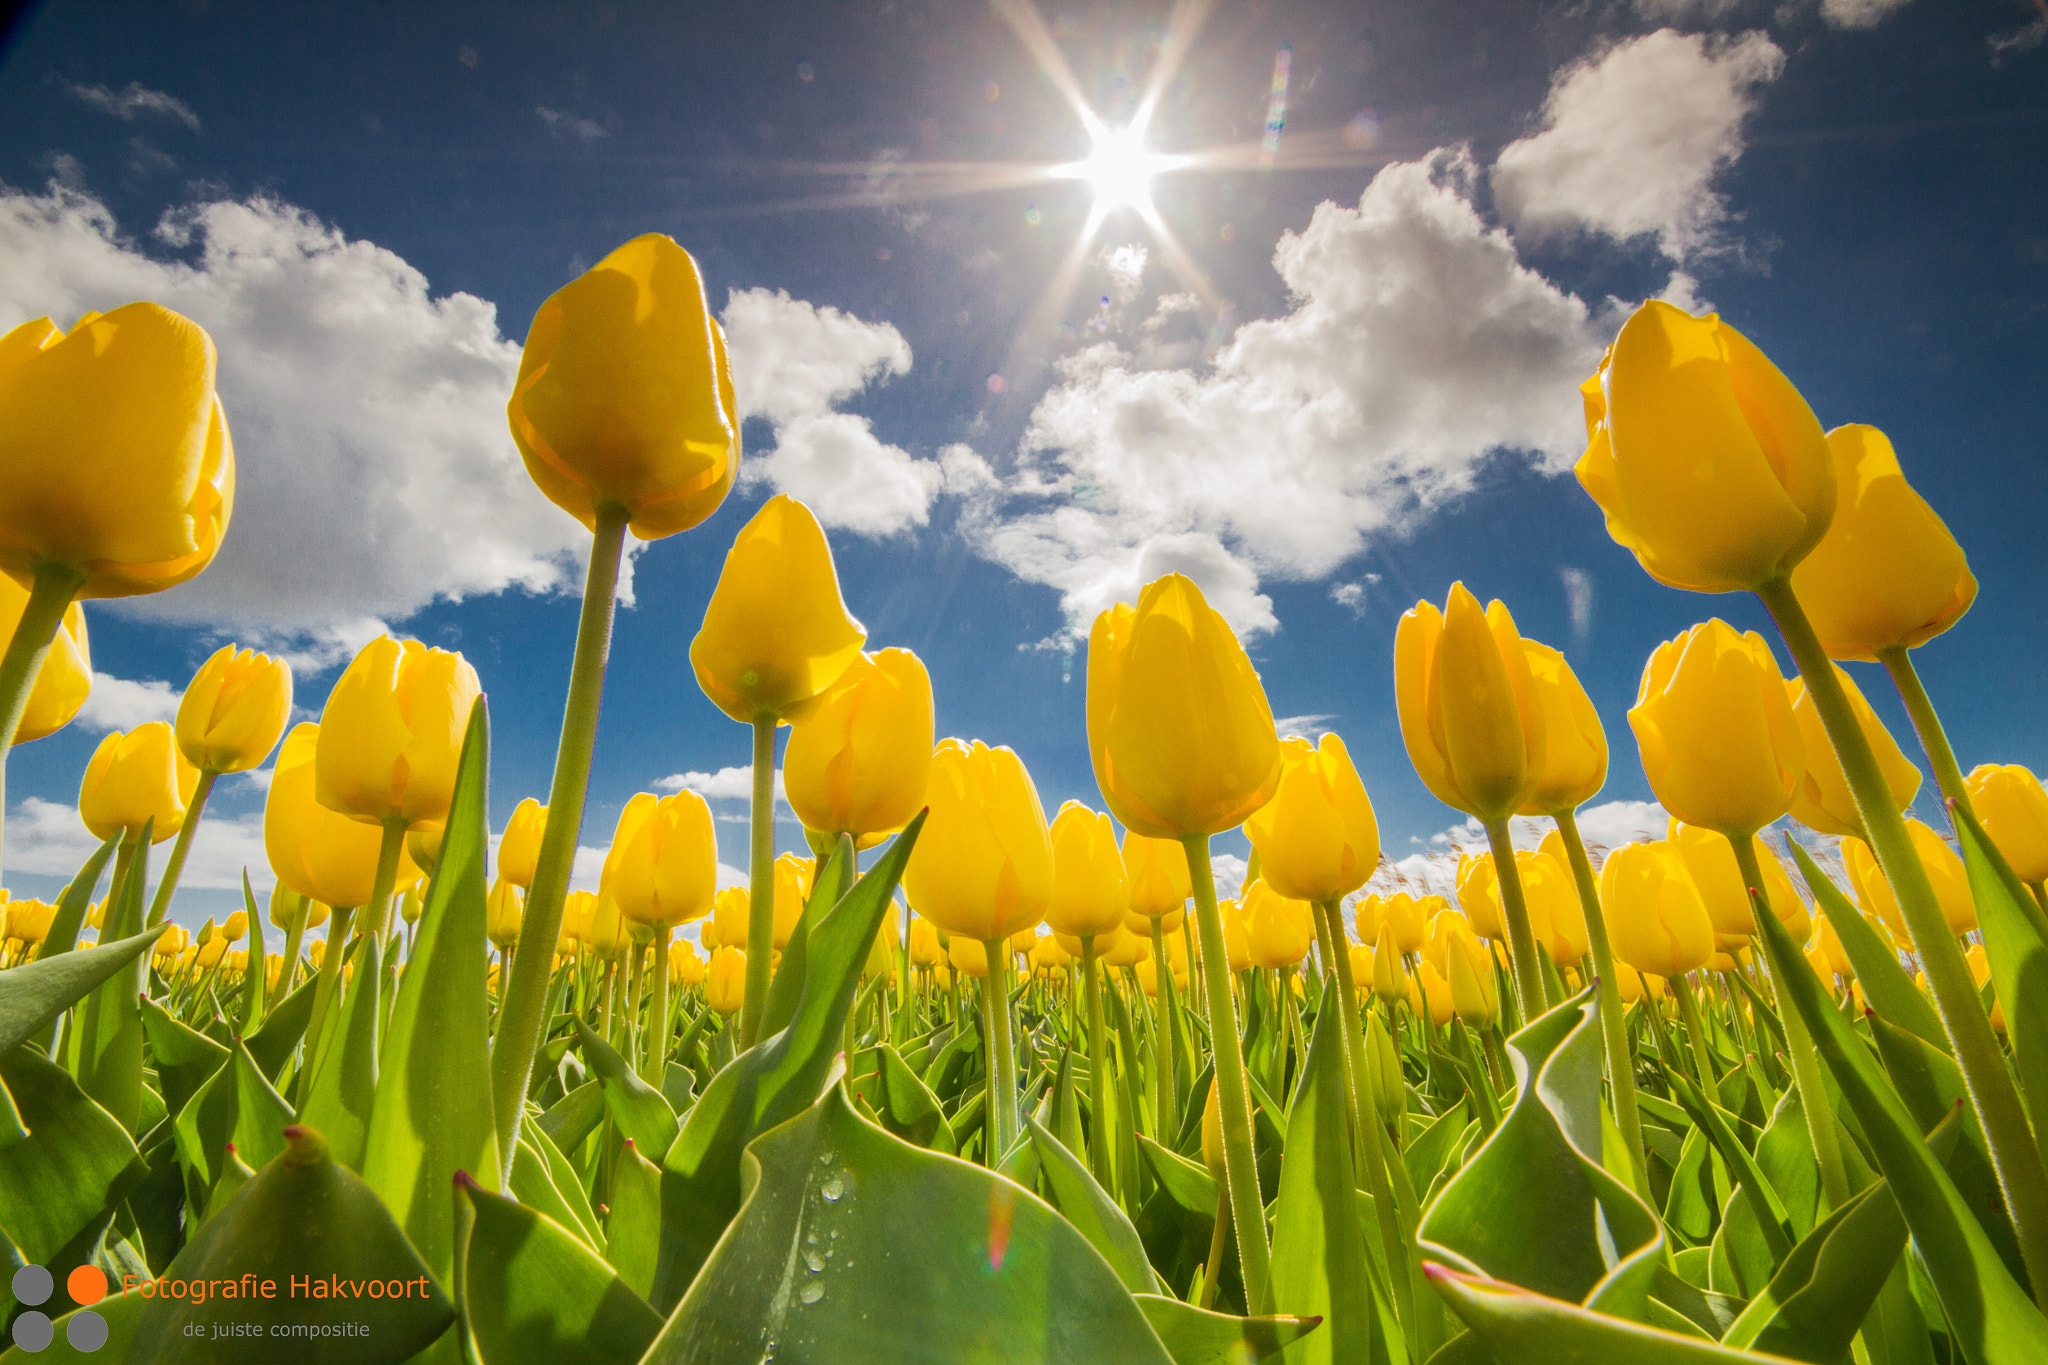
(727, 784)
(1858, 13)
(374, 469)
(793, 363)
(47, 838)
(1309, 727)
(135, 102)
(1633, 137)
(1605, 826)
(1578, 600)
(121, 704)
(1417, 345)
(562, 123)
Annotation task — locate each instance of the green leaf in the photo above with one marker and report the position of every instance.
(633, 1232)
(1533, 1206)
(110, 1032)
(184, 1058)
(1886, 985)
(1196, 1336)
(237, 1105)
(432, 1116)
(253, 975)
(302, 1222)
(1818, 1299)
(1188, 1185)
(1092, 1212)
(76, 1163)
(574, 1117)
(1318, 1242)
(787, 987)
(771, 1082)
(341, 1084)
(35, 993)
(534, 1293)
(72, 906)
(635, 1106)
(2016, 942)
(272, 1044)
(855, 1245)
(533, 1184)
(1769, 1211)
(907, 1106)
(1991, 1317)
(1521, 1328)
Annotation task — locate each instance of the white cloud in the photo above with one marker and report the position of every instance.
(1350, 596)
(1633, 138)
(1230, 872)
(1858, 13)
(1603, 827)
(374, 469)
(1578, 600)
(1418, 344)
(560, 122)
(134, 102)
(793, 363)
(1308, 727)
(47, 838)
(727, 784)
(2025, 38)
(119, 704)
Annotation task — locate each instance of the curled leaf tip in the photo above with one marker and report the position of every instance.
(308, 1146)
(463, 1180)
(629, 1142)
(1436, 1270)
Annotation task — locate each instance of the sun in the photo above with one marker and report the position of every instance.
(1120, 169)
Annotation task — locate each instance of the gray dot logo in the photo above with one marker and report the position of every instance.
(87, 1330)
(84, 1329)
(32, 1286)
(32, 1331)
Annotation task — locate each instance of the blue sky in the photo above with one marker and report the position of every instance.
(1344, 377)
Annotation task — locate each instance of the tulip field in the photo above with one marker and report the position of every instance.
(976, 1083)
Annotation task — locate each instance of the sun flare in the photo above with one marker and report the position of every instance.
(1120, 168)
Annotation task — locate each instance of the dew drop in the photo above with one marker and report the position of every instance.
(814, 1261)
(832, 1189)
(811, 1293)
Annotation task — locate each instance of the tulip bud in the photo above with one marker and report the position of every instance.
(1389, 1086)
(1237, 938)
(1389, 981)
(391, 734)
(608, 935)
(1823, 801)
(1156, 870)
(663, 864)
(1278, 929)
(1479, 895)
(116, 450)
(924, 944)
(1574, 766)
(983, 864)
(1317, 839)
(519, 849)
(1708, 464)
(792, 892)
(423, 845)
(1406, 917)
(1944, 869)
(1656, 921)
(1888, 574)
(1090, 894)
(1470, 717)
(725, 981)
(313, 850)
(1715, 728)
(776, 634)
(2009, 800)
(730, 910)
(1212, 1135)
(1361, 971)
(1475, 995)
(65, 678)
(504, 913)
(1435, 994)
(235, 710)
(1179, 729)
(412, 905)
(860, 762)
(236, 926)
(134, 778)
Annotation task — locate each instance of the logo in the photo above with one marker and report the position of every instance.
(85, 1330)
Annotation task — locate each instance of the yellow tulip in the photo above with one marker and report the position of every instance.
(860, 762)
(1708, 464)
(1435, 994)
(776, 634)
(1556, 915)
(1179, 729)
(1944, 869)
(1574, 764)
(2014, 809)
(1212, 1136)
(1888, 573)
(1406, 916)
(608, 935)
(579, 910)
(237, 925)
(1715, 729)
(729, 915)
(1633, 983)
(1126, 949)
(725, 980)
(663, 864)
(504, 913)
(983, 863)
(1479, 895)
(685, 967)
(1710, 861)
(624, 396)
(1823, 801)
(1156, 873)
(1389, 980)
(211, 952)
(116, 451)
(793, 876)
(1278, 929)
(1361, 970)
(968, 956)
(924, 943)
(423, 845)
(1655, 918)
(391, 733)
(1090, 894)
(1237, 938)
(519, 849)
(1470, 715)
(65, 678)
(313, 850)
(412, 905)
(1316, 839)
(134, 778)
(1474, 993)
(1980, 972)
(1828, 945)
(234, 711)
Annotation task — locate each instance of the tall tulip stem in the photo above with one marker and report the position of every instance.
(1993, 1093)
(175, 864)
(48, 599)
(1162, 1013)
(1621, 1073)
(1521, 941)
(760, 882)
(1335, 946)
(1240, 1169)
(1948, 775)
(525, 998)
(330, 977)
(378, 909)
(1100, 1144)
(1002, 1055)
(295, 931)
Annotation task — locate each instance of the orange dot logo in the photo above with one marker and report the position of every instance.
(87, 1285)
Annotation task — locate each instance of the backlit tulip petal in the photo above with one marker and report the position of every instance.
(391, 734)
(234, 711)
(983, 865)
(1716, 732)
(1823, 801)
(860, 761)
(1317, 839)
(65, 679)
(1090, 893)
(2014, 809)
(1469, 712)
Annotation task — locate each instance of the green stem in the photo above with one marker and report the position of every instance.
(760, 883)
(49, 597)
(1330, 939)
(520, 1020)
(1529, 986)
(1806, 1064)
(1240, 1169)
(1162, 1012)
(2007, 1134)
(296, 932)
(1696, 1034)
(330, 973)
(1100, 1147)
(657, 1012)
(161, 906)
(1621, 1074)
(377, 912)
(1948, 774)
(1002, 1056)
